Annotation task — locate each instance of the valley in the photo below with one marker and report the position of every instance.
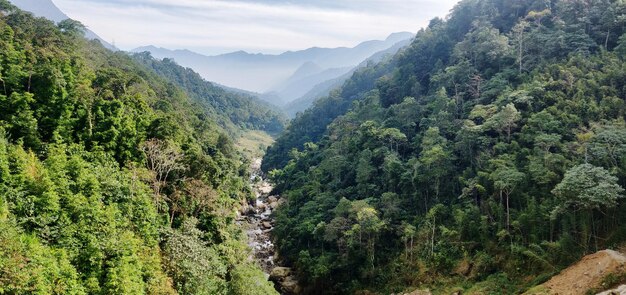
(483, 154)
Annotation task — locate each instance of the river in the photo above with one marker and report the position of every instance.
(257, 220)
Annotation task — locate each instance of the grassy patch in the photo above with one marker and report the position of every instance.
(254, 143)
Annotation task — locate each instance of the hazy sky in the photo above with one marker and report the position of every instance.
(269, 26)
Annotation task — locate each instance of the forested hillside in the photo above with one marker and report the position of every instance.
(485, 157)
(231, 110)
(112, 179)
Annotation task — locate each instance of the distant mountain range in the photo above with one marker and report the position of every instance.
(292, 80)
(284, 77)
(47, 9)
(324, 87)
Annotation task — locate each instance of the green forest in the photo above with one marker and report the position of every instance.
(118, 173)
(484, 158)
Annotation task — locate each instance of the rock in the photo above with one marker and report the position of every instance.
(274, 205)
(621, 290)
(246, 210)
(278, 274)
(290, 286)
(267, 225)
(272, 199)
(261, 206)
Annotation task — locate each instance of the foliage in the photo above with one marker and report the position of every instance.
(231, 110)
(112, 179)
(492, 146)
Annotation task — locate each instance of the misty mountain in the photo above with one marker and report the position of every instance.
(265, 72)
(47, 9)
(326, 86)
(302, 81)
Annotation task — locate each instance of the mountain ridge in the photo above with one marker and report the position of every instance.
(261, 73)
(49, 10)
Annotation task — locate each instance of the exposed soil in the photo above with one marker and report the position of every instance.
(586, 274)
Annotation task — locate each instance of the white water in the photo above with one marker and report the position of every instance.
(257, 220)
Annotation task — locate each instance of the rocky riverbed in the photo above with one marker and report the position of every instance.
(256, 218)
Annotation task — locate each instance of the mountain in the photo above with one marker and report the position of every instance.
(324, 88)
(47, 9)
(233, 110)
(299, 84)
(113, 178)
(484, 158)
(262, 72)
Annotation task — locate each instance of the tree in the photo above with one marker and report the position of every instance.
(370, 225)
(162, 158)
(483, 46)
(435, 158)
(505, 179)
(72, 27)
(505, 120)
(519, 38)
(588, 187)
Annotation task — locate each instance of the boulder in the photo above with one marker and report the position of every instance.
(621, 290)
(267, 225)
(274, 205)
(279, 273)
(272, 199)
(246, 210)
(261, 206)
(290, 286)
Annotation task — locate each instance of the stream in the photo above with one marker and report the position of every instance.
(256, 219)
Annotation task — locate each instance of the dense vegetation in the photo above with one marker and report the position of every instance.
(232, 110)
(112, 179)
(487, 155)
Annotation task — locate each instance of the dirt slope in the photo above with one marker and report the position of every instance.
(584, 275)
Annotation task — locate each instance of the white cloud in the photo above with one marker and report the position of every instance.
(211, 26)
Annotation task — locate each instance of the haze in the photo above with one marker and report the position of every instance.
(266, 26)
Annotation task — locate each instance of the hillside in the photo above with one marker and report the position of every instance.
(233, 111)
(263, 72)
(484, 158)
(325, 87)
(113, 180)
(47, 9)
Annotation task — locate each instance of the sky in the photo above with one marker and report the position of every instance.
(261, 26)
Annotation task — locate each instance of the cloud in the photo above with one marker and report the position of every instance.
(213, 26)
